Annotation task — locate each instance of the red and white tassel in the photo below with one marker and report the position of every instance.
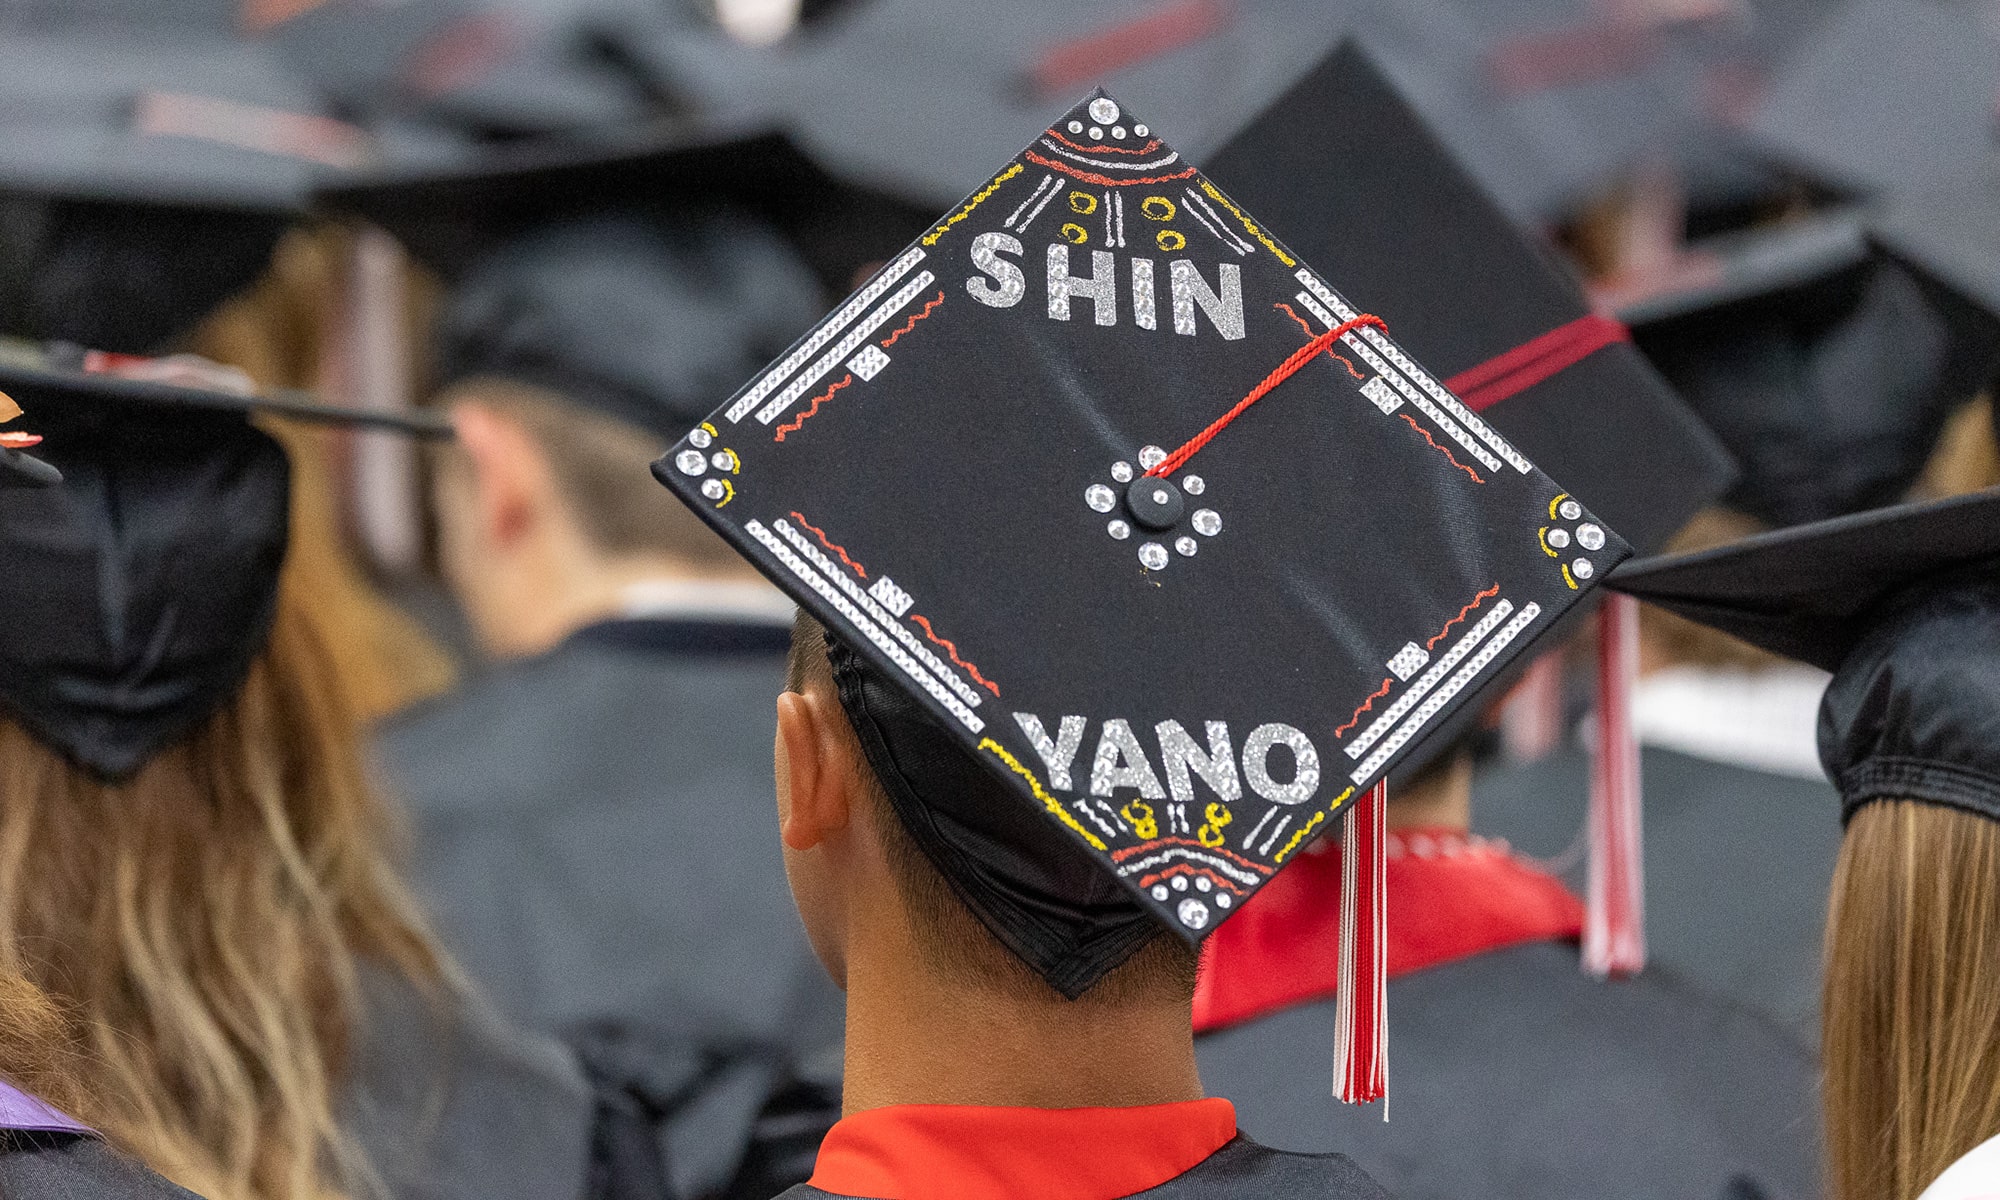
(1614, 935)
(1361, 1039)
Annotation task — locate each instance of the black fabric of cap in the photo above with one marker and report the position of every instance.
(1809, 592)
(937, 472)
(1914, 711)
(19, 469)
(139, 590)
(1375, 196)
(652, 320)
(1031, 885)
(1827, 367)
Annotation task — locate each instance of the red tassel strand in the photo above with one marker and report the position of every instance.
(1614, 933)
(1361, 1038)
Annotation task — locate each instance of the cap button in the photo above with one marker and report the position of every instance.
(1155, 504)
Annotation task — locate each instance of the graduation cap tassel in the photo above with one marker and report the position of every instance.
(1361, 1038)
(1614, 940)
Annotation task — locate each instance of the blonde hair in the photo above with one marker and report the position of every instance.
(205, 922)
(38, 1053)
(1911, 1022)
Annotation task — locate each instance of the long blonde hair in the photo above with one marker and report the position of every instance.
(38, 1053)
(205, 922)
(1911, 1024)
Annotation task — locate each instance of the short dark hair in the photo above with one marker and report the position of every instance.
(954, 941)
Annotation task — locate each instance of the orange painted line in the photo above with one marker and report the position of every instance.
(1478, 600)
(1104, 180)
(914, 318)
(1442, 450)
(1365, 706)
(822, 398)
(1344, 360)
(823, 540)
(1141, 152)
(952, 650)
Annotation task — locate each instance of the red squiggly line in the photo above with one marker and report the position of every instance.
(1365, 706)
(1442, 450)
(1344, 360)
(914, 318)
(818, 533)
(952, 650)
(822, 398)
(1105, 180)
(1478, 600)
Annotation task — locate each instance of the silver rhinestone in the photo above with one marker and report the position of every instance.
(1161, 495)
(1201, 884)
(1179, 883)
(1559, 538)
(1151, 456)
(1160, 891)
(691, 462)
(1104, 109)
(1096, 134)
(713, 489)
(1122, 472)
(1140, 130)
(1099, 497)
(699, 438)
(722, 459)
(1185, 546)
(1207, 522)
(1192, 912)
(1570, 510)
(1590, 537)
(1193, 485)
(1153, 556)
(1222, 899)
(1118, 530)
(1117, 133)
(1076, 126)
(1582, 569)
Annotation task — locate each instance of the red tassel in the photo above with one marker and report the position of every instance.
(1531, 716)
(1614, 933)
(1361, 1039)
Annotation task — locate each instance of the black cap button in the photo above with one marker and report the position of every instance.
(1154, 503)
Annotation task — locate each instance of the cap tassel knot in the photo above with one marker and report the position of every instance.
(1614, 936)
(1361, 1037)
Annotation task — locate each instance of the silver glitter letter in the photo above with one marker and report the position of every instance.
(1056, 755)
(986, 250)
(1225, 311)
(1142, 294)
(1183, 759)
(1117, 745)
(1101, 289)
(1257, 766)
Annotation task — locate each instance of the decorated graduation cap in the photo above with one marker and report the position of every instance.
(1902, 604)
(653, 321)
(1137, 521)
(140, 588)
(1825, 356)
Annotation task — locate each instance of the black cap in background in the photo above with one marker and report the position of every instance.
(1366, 188)
(654, 321)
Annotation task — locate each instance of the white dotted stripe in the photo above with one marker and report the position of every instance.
(1214, 862)
(1121, 165)
(1353, 341)
(827, 331)
(1424, 380)
(1429, 679)
(881, 615)
(818, 583)
(846, 346)
(1480, 662)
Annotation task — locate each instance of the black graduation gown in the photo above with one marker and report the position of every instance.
(1511, 1073)
(75, 1166)
(1241, 1170)
(1738, 863)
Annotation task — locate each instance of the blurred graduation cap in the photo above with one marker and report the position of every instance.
(1888, 94)
(17, 467)
(1902, 604)
(139, 590)
(1826, 365)
(1062, 479)
(654, 321)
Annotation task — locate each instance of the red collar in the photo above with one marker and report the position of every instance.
(1450, 896)
(962, 1152)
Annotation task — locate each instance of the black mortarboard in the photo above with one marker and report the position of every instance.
(1174, 666)
(1902, 604)
(1826, 366)
(1888, 94)
(139, 590)
(1365, 187)
(655, 321)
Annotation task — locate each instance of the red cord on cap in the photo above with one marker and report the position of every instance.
(1285, 370)
(1614, 931)
(1361, 1030)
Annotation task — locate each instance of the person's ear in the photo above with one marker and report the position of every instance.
(508, 484)
(816, 769)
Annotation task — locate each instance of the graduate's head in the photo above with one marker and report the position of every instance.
(851, 852)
